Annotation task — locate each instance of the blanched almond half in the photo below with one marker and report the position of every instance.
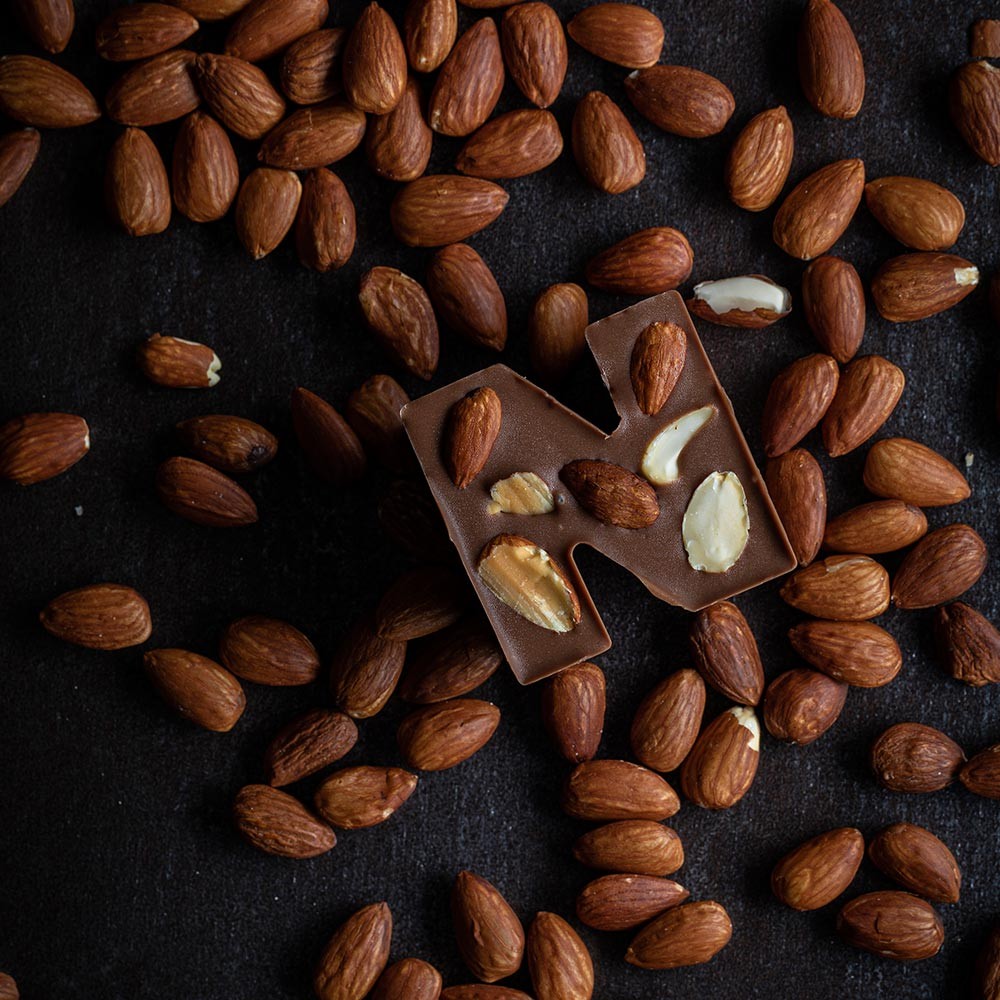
(716, 524)
(660, 461)
(521, 493)
(750, 301)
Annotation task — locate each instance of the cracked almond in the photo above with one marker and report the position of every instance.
(522, 493)
(917, 285)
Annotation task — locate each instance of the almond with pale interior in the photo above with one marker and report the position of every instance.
(750, 301)
(818, 871)
(840, 588)
(716, 524)
(661, 459)
(521, 493)
(178, 364)
(917, 285)
(758, 163)
(906, 470)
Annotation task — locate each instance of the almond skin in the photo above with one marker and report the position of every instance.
(867, 393)
(231, 444)
(199, 493)
(612, 494)
(50, 23)
(981, 775)
(801, 705)
(8, 988)
(893, 925)
(355, 956)
(265, 27)
(940, 567)
(429, 31)
(621, 33)
(818, 209)
(421, 602)
(155, 91)
(795, 482)
(471, 430)
(452, 663)
(725, 652)
(906, 470)
(374, 62)
(373, 411)
(268, 651)
(681, 100)
(314, 137)
(438, 209)
(466, 295)
(39, 93)
(833, 301)
(265, 209)
(206, 175)
(920, 214)
(101, 616)
(621, 902)
(918, 285)
(397, 310)
(987, 968)
(469, 82)
(666, 723)
(18, 151)
(831, 69)
(196, 688)
(722, 765)
(604, 790)
(239, 94)
(38, 446)
(479, 991)
(560, 965)
(636, 846)
(858, 653)
(968, 644)
(534, 49)
(514, 144)
(915, 859)
(439, 737)
(760, 159)
(910, 757)
(556, 328)
(685, 935)
(488, 932)
(573, 705)
(330, 446)
(819, 870)
(877, 527)
(274, 822)
(365, 670)
(656, 364)
(608, 152)
(645, 263)
(357, 798)
(797, 401)
(408, 979)
(142, 30)
(974, 103)
(136, 189)
(325, 226)
(307, 745)
(211, 10)
(984, 39)
(840, 588)
(177, 364)
(398, 145)
(310, 67)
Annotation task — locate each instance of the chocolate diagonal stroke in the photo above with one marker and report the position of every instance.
(540, 435)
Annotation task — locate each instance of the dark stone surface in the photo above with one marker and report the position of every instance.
(121, 874)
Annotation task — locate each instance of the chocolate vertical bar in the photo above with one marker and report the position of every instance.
(538, 435)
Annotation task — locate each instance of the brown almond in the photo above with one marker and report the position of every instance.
(429, 31)
(560, 965)
(795, 482)
(987, 973)
(918, 285)
(621, 902)
(471, 430)
(38, 446)
(611, 493)
(265, 27)
(398, 145)
(632, 846)
(681, 100)
(310, 67)
(177, 363)
(100, 616)
(196, 687)
(268, 651)
(534, 49)
(940, 567)
(211, 10)
(466, 295)
(984, 39)
(438, 737)
(608, 152)
(833, 301)
(374, 62)
(325, 227)
(667, 722)
(968, 644)
(355, 956)
(136, 189)
(365, 669)
(8, 988)
(488, 932)
(314, 137)
(409, 516)
(657, 361)
(397, 310)
(877, 527)
(330, 446)
(372, 410)
(831, 69)
(357, 798)
(50, 24)
(480, 991)
(421, 602)
(725, 652)
(573, 705)
(857, 653)
(556, 326)
(440, 208)
(408, 979)
(199, 493)
(231, 444)
(801, 705)
(239, 94)
(307, 744)
(645, 263)
(157, 90)
(622, 33)
(920, 214)
(603, 790)
(141, 30)
(974, 103)
(818, 209)
(684, 935)
(722, 764)
(265, 209)
(910, 757)
(797, 401)
(909, 471)
(469, 82)
(206, 175)
(514, 144)
(18, 151)
(918, 861)
(981, 775)
(37, 92)
(276, 823)
(452, 663)
(892, 925)
(760, 159)
(818, 871)
(867, 393)
(841, 588)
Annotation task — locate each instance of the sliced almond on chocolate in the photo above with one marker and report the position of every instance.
(750, 301)
(716, 524)
(660, 461)
(521, 493)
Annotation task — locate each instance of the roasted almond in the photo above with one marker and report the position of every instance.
(981, 775)
(439, 208)
(918, 861)
(759, 160)
(265, 27)
(608, 152)
(603, 790)
(314, 136)
(487, 931)
(276, 823)
(893, 925)
(356, 798)
(841, 588)
(469, 82)
(18, 151)
(681, 100)
(307, 744)
(38, 446)
(818, 871)
(873, 528)
(8, 988)
(398, 145)
(37, 92)
(268, 651)
(452, 663)
(373, 411)
(136, 189)
(50, 23)
(968, 644)
(611, 494)
(918, 285)
(480, 991)
(421, 602)
(374, 62)
(797, 401)
(801, 705)
(514, 144)
(636, 846)
(833, 301)
(231, 444)
(573, 704)
(177, 363)
(795, 482)
(471, 429)
(667, 721)
(239, 94)
(909, 471)
(857, 653)
(310, 67)
(211, 10)
(325, 227)
(196, 687)
(622, 33)
(408, 979)
(910, 757)
(199, 493)
(831, 69)
(438, 737)
(685, 935)
(429, 31)
(466, 295)
(621, 902)
(330, 446)
(987, 974)
(206, 175)
(920, 214)
(100, 616)
(984, 39)
(141, 30)
(656, 364)
(725, 652)
(534, 49)
(867, 393)
(746, 301)
(556, 328)
(155, 91)
(265, 209)
(355, 956)
(974, 103)
(365, 670)
(560, 965)
(722, 764)
(943, 565)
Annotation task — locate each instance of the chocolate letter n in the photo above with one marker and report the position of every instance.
(673, 495)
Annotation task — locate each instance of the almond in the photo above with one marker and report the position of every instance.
(512, 145)
(442, 736)
(265, 27)
(37, 92)
(987, 968)
(471, 430)
(397, 310)
(38, 446)
(645, 263)
(940, 567)
(831, 69)
(206, 175)
(556, 328)
(685, 935)
(560, 965)
(357, 798)
(611, 494)
(918, 213)
(534, 49)
(621, 33)
(408, 979)
(974, 103)
(603, 790)
(608, 152)
(50, 24)
(721, 766)
(398, 145)
(142, 30)
(725, 653)
(155, 91)
(8, 988)
(196, 491)
(314, 136)
(910, 757)
(310, 67)
(915, 859)
(760, 159)
(841, 588)
(239, 94)
(981, 775)
(984, 39)
(18, 151)
(265, 209)
(365, 670)
(621, 902)
(409, 516)
(819, 870)
(452, 663)
(307, 744)
(856, 653)
(797, 401)
(818, 209)
(893, 925)
(325, 228)
(231, 444)
(136, 189)
(918, 285)
(968, 644)
(178, 364)
(372, 410)
(211, 10)
(101, 616)
(421, 602)
(466, 295)
(867, 393)
(374, 62)
(268, 651)
(795, 482)
(478, 991)
(681, 100)
(196, 688)
(438, 209)
(488, 932)
(801, 705)
(873, 528)
(274, 822)
(746, 301)
(330, 446)
(656, 364)
(573, 704)
(469, 82)
(638, 846)
(355, 956)
(909, 471)
(833, 301)
(429, 28)
(667, 721)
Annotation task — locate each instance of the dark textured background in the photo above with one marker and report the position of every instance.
(121, 875)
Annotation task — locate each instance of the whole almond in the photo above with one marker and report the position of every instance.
(141, 30)
(408, 979)
(18, 151)
(365, 669)
(310, 67)
(681, 100)
(795, 482)
(466, 295)
(421, 602)
(831, 69)
(645, 263)
(100, 616)
(196, 688)
(206, 175)
(471, 429)
(981, 775)
(873, 528)
(940, 567)
(512, 145)
(397, 310)
(211, 10)
(199, 493)
(722, 764)
(608, 152)
(38, 446)
(621, 33)
(265, 209)
(429, 30)
(265, 27)
(50, 23)
(355, 956)
(818, 871)
(910, 757)
(136, 189)
(968, 644)
(441, 736)
(573, 705)
(314, 137)
(231, 444)
(858, 653)
(534, 49)
(488, 932)
(893, 925)
(636, 846)
(666, 723)
(841, 588)
(398, 145)
(330, 446)
(373, 411)
(918, 285)
(556, 326)
(818, 209)
(725, 652)
(268, 651)
(987, 968)
(760, 159)
(797, 401)
(801, 705)
(656, 363)
(621, 902)
(409, 516)
(308, 744)
(357, 798)
(560, 965)
(374, 62)
(603, 790)
(920, 214)
(325, 227)
(439, 208)
(469, 82)
(918, 861)
(155, 91)
(276, 823)
(612, 494)
(685, 935)
(833, 301)
(867, 393)
(974, 103)
(239, 94)
(452, 663)
(909, 471)
(37, 92)
(178, 364)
